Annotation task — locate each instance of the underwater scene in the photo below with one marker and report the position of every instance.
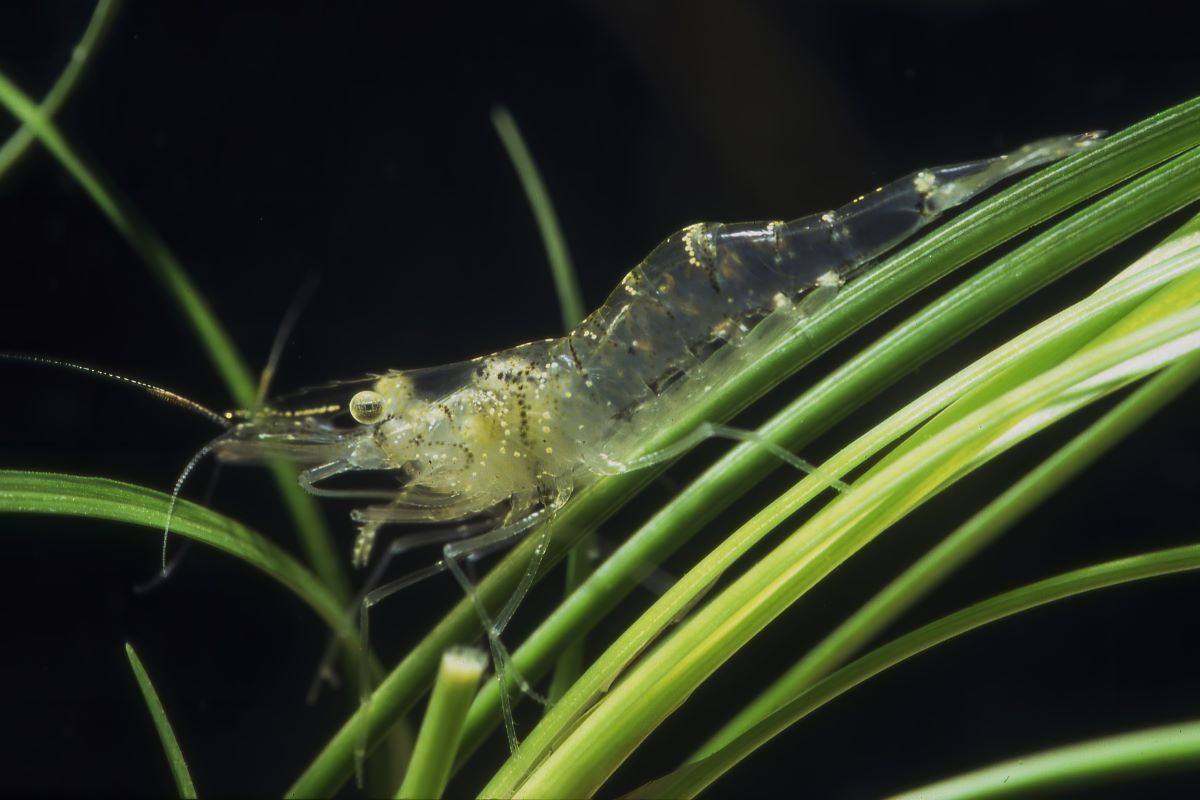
(600, 399)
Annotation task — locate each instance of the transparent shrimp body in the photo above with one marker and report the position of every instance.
(521, 429)
(508, 437)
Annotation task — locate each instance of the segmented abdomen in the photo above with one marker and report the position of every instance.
(707, 286)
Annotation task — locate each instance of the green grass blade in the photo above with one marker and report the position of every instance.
(597, 744)
(566, 283)
(1169, 748)
(1044, 194)
(1178, 296)
(692, 778)
(314, 535)
(570, 302)
(82, 55)
(996, 517)
(179, 769)
(441, 729)
(1001, 513)
(1052, 253)
(101, 498)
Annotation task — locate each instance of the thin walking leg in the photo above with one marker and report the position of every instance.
(493, 629)
(403, 544)
(709, 430)
(468, 549)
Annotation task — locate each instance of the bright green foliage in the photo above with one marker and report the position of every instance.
(1141, 328)
(101, 498)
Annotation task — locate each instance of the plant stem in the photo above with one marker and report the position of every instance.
(441, 729)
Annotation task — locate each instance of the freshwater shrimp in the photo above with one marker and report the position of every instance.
(491, 448)
(506, 439)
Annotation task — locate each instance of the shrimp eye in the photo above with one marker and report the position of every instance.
(367, 407)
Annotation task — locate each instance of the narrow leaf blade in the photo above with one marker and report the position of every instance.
(179, 768)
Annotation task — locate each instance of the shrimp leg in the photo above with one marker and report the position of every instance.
(711, 430)
(452, 552)
(308, 482)
(398, 547)
(473, 548)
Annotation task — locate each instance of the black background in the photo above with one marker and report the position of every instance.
(270, 141)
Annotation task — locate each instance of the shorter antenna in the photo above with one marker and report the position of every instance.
(157, 391)
(183, 476)
(303, 295)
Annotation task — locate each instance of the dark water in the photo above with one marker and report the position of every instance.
(268, 142)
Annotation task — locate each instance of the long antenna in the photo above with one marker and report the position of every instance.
(157, 391)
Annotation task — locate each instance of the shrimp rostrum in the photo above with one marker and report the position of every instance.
(508, 437)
